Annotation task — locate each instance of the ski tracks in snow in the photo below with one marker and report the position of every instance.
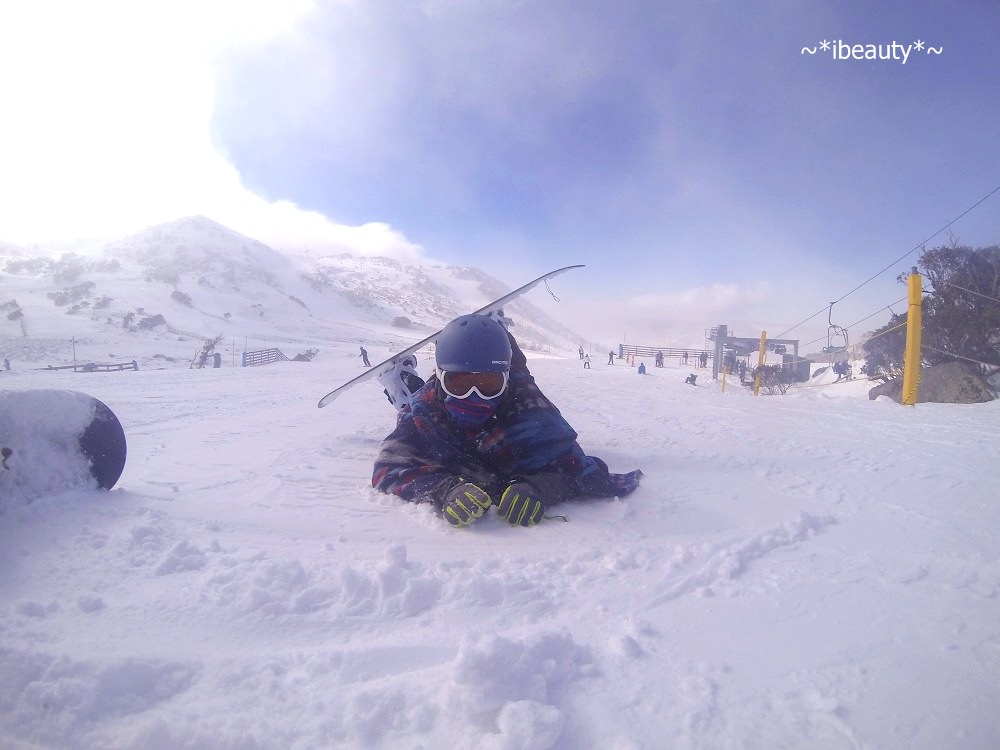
(727, 563)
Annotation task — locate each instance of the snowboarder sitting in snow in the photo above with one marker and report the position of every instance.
(479, 432)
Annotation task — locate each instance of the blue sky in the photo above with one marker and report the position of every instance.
(704, 167)
(669, 145)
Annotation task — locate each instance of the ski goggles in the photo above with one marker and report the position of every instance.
(464, 384)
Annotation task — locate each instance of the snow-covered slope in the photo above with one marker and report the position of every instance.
(814, 570)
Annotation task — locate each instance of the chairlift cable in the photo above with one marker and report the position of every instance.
(922, 243)
(972, 291)
(901, 257)
(861, 320)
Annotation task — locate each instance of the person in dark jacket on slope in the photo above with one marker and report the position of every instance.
(479, 432)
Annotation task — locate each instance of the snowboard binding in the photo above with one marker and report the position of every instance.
(400, 381)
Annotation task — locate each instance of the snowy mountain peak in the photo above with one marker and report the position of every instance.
(194, 244)
(178, 283)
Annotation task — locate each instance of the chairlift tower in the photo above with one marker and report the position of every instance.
(724, 342)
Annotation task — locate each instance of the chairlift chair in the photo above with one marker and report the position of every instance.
(836, 336)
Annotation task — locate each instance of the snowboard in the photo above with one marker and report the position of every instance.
(53, 440)
(491, 307)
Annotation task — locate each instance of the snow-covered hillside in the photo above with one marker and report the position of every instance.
(160, 294)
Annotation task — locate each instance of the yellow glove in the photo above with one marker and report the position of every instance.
(522, 505)
(465, 504)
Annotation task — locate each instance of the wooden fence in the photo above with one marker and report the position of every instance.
(95, 367)
(263, 357)
(631, 351)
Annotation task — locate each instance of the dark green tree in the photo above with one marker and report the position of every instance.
(884, 350)
(960, 313)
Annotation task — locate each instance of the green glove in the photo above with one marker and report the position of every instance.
(522, 505)
(465, 503)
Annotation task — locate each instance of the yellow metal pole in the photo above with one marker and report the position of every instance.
(760, 362)
(911, 357)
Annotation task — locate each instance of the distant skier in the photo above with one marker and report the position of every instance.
(659, 359)
(586, 361)
(580, 350)
(611, 357)
(480, 433)
(6, 363)
(364, 357)
(642, 368)
(691, 379)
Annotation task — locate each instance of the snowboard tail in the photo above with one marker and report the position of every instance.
(103, 443)
(491, 307)
(53, 440)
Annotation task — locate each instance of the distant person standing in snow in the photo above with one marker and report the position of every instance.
(586, 361)
(364, 357)
(6, 363)
(642, 368)
(581, 352)
(659, 359)
(843, 370)
(611, 357)
(480, 433)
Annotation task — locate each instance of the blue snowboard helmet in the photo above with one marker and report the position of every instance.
(473, 343)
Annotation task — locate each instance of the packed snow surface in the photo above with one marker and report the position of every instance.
(813, 570)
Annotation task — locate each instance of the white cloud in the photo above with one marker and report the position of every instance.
(284, 226)
(106, 123)
(717, 299)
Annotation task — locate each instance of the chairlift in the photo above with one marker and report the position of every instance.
(836, 336)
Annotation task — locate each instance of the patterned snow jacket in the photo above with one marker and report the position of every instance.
(527, 438)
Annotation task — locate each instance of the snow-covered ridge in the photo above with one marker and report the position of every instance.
(176, 284)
